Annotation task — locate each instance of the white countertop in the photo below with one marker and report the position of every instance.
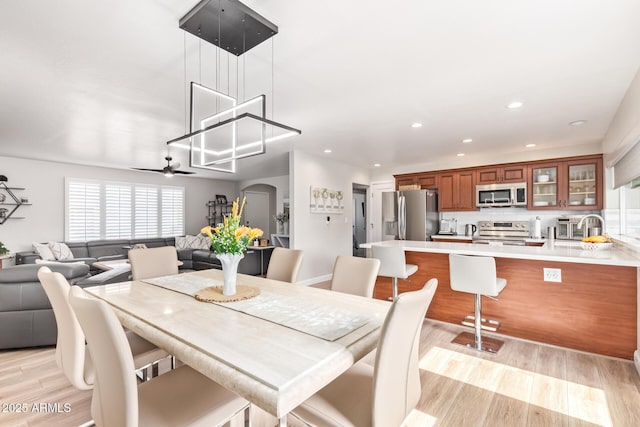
(559, 251)
(450, 237)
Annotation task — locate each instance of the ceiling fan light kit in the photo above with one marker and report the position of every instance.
(219, 136)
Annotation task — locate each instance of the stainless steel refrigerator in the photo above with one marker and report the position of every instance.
(409, 215)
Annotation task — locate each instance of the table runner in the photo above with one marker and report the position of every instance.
(320, 320)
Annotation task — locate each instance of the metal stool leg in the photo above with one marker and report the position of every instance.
(475, 340)
(478, 323)
(394, 289)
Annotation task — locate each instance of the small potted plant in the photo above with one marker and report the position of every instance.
(282, 219)
(3, 249)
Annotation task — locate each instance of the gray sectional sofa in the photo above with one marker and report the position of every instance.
(192, 259)
(26, 316)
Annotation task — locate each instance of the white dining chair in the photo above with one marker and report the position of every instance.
(153, 262)
(181, 397)
(72, 355)
(284, 264)
(355, 275)
(383, 394)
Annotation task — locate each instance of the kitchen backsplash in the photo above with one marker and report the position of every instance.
(547, 218)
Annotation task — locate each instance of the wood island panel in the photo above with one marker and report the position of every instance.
(593, 309)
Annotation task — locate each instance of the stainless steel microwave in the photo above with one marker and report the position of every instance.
(501, 195)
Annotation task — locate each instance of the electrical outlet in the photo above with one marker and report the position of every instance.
(552, 275)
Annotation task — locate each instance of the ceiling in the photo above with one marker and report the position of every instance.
(103, 83)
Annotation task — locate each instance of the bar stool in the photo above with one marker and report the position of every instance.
(393, 264)
(476, 275)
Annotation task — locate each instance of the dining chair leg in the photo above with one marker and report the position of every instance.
(282, 421)
(173, 363)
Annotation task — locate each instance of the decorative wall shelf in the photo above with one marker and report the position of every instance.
(13, 202)
(217, 212)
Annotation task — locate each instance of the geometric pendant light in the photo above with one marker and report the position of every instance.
(221, 129)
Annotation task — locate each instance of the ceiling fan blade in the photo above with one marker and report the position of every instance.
(184, 172)
(147, 170)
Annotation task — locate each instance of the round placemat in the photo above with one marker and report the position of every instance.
(214, 294)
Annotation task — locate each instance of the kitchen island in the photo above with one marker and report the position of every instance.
(593, 308)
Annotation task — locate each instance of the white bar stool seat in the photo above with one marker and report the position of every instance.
(476, 275)
(393, 264)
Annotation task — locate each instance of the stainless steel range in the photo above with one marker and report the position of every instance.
(502, 232)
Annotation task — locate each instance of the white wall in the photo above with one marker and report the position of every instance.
(320, 241)
(44, 183)
(624, 130)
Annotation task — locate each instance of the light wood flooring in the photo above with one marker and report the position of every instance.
(526, 384)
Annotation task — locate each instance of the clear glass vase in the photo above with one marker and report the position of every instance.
(230, 270)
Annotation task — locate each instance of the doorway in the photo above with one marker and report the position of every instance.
(359, 219)
(256, 210)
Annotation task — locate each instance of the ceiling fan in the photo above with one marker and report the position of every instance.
(168, 170)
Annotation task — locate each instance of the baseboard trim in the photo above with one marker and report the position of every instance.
(314, 280)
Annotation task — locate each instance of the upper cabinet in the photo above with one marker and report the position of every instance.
(426, 181)
(456, 191)
(572, 184)
(516, 172)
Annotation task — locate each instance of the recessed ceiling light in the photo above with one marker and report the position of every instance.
(530, 145)
(460, 154)
(416, 125)
(377, 165)
(327, 151)
(466, 141)
(515, 104)
(578, 122)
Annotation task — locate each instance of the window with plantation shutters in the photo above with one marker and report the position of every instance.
(146, 212)
(117, 201)
(172, 208)
(83, 210)
(115, 210)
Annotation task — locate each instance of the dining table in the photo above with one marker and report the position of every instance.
(276, 349)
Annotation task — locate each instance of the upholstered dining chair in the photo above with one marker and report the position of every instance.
(179, 398)
(153, 262)
(72, 355)
(355, 275)
(284, 264)
(383, 394)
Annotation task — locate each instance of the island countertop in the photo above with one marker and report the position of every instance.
(561, 251)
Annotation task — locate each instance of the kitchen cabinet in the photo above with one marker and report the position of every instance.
(568, 184)
(428, 181)
(506, 173)
(407, 180)
(456, 191)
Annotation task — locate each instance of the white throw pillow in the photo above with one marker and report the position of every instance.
(202, 242)
(60, 250)
(44, 251)
(193, 242)
(181, 242)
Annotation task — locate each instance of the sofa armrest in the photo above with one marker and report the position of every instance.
(111, 257)
(111, 276)
(27, 257)
(29, 272)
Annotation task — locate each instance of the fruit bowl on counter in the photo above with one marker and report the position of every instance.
(596, 243)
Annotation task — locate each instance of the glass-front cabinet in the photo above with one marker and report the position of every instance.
(544, 186)
(572, 184)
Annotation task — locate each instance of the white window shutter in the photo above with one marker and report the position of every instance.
(83, 209)
(172, 208)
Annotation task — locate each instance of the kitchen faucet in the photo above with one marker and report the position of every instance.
(595, 216)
